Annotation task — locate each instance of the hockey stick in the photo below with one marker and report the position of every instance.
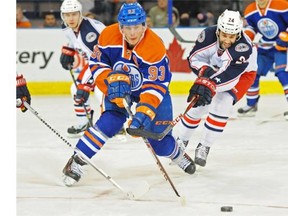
(151, 150)
(264, 44)
(86, 111)
(160, 136)
(178, 36)
(130, 195)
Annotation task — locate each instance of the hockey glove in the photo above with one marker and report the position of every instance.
(206, 71)
(118, 83)
(282, 41)
(205, 88)
(82, 94)
(22, 92)
(67, 57)
(145, 113)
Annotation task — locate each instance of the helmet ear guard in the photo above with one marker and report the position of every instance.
(131, 14)
(69, 6)
(230, 22)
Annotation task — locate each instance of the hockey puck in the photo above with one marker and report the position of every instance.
(226, 208)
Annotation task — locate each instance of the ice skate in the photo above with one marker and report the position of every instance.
(182, 143)
(77, 131)
(248, 111)
(201, 154)
(286, 115)
(121, 135)
(73, 170)
(185, 162)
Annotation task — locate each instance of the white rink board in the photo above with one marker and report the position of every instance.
(38, 52)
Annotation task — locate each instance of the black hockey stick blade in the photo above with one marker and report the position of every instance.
(143, 133)
(178, 36)
(159, 136)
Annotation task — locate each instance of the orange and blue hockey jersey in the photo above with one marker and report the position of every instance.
(269, 22)
(148, 67)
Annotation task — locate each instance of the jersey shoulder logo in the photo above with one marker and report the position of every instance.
(241, 47)
(90, 37)
(201, 37)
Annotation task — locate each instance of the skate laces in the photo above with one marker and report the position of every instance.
(182, 143)
(250, 108)
(80, 126)
(184, 162)
(76, 168)
(202, 152)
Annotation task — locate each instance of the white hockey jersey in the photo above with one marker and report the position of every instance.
(87, 36)
(229, 64)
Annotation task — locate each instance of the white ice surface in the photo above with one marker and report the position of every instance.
(247, 168)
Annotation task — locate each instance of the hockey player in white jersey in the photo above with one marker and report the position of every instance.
(224, 61)
(82, 33)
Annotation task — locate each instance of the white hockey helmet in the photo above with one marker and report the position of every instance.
(230, 22)
(69, 6)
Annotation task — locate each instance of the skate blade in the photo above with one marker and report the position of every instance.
(68, 181)
(249, 114)
(75, 135)
(121, 138)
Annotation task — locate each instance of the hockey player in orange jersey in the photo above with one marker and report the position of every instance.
(270, 19)
(129, 60)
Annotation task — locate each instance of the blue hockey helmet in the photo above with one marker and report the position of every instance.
(131, 14)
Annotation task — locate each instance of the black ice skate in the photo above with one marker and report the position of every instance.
(73, 170)
(78, 130)
(286, 115)
(121, 135)
(185, 162)
(201, 154)
(182, 143)
(248, 111)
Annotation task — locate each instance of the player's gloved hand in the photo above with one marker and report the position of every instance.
(82, 94)
(22, 92)
(67, 57)
(205, 88)
(118, 83)
(282, 41)
(145, 113)
(206, 71)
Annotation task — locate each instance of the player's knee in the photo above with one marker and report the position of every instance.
(111, 122)
(165, 147)
(282, 77)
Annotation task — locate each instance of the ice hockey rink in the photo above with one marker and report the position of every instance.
(247, 168)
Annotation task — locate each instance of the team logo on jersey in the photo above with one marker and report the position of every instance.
(268, 28)
(91, 36)
(217, 80)
(134, 74)
(241, 47)
(201, 37)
